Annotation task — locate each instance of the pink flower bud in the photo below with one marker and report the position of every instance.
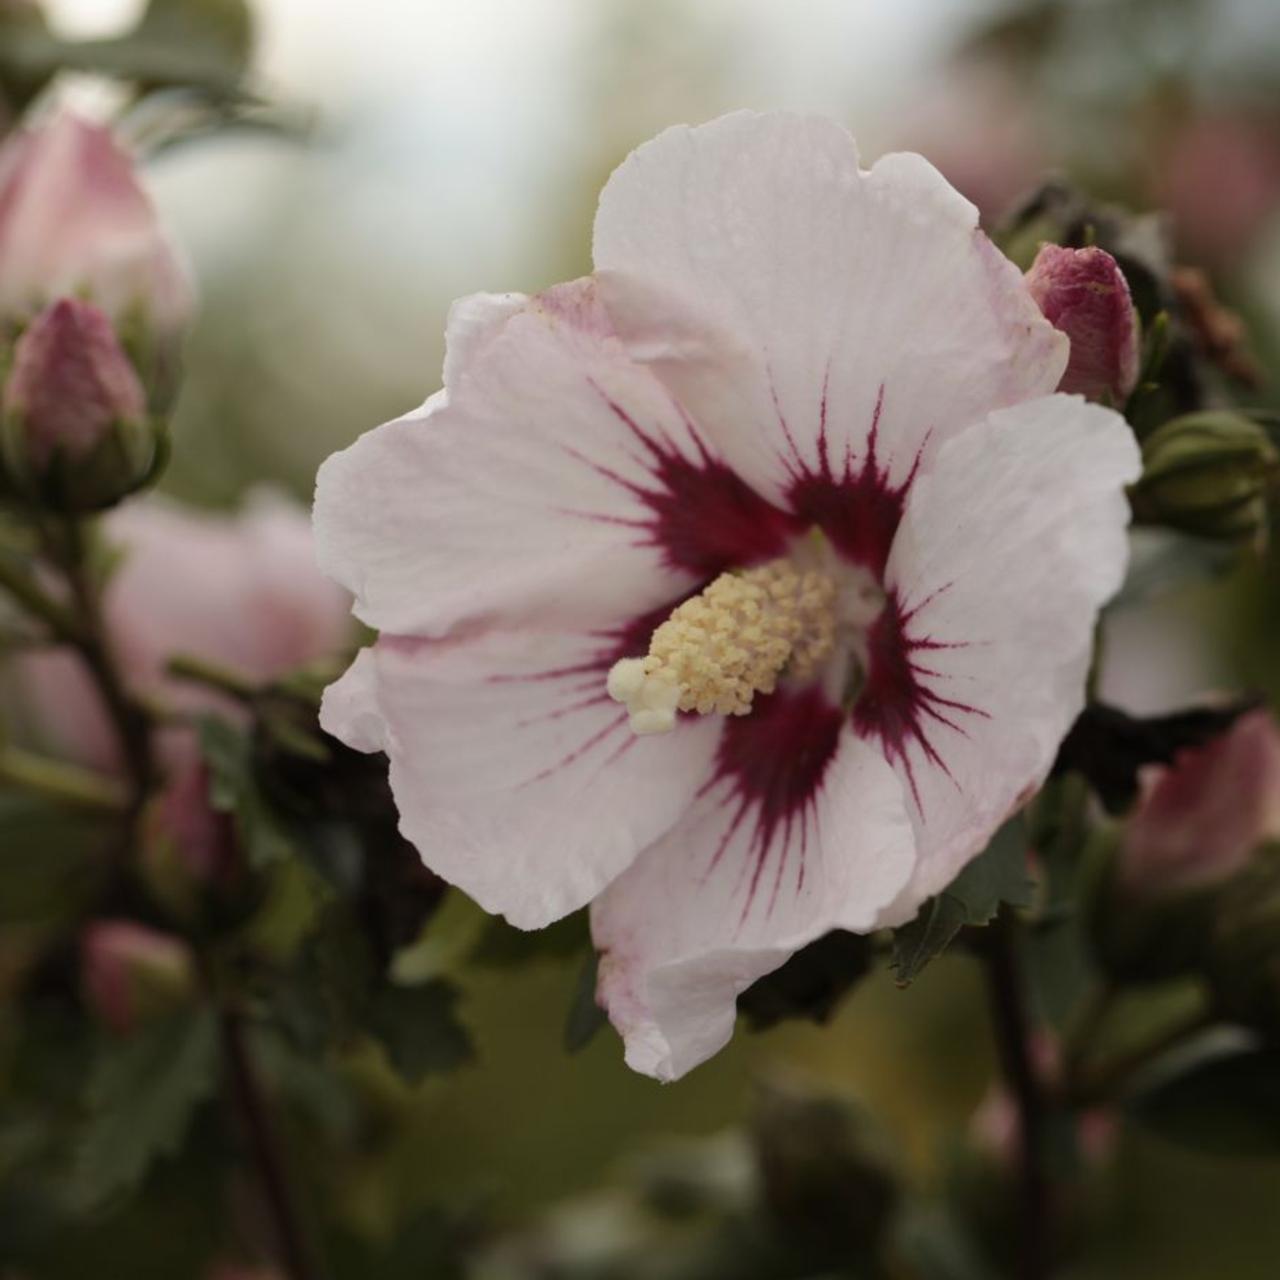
(132, 974)
(74, 220)
(1199, 821)
(71, 385)
(1083, 293)
(187, 845)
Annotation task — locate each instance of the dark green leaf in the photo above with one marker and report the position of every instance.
(420, 1029)
(177, 44)
(1224, 1101)
(234, 790)
(936, 1246)
(585, 1016)
(142, 1092)
(47, 858)
(998, 874)
(810, 984)
(1108, 746)
(500, 945)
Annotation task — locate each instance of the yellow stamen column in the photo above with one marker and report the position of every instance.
(722, 647)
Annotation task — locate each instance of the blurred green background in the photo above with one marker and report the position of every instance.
(457, 146)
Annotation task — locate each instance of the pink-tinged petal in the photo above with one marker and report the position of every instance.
(516, 776)
(557, 482)
(802, 830)
(473, 320)
(1006, 552)
(783, 293)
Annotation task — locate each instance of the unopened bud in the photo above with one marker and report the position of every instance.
(1195, 832)
(75, 427)
(188, 847)
(132, 974)
(1207, 474)
(1083, 293)
(1200, 820)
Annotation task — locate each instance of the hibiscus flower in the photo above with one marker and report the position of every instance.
(741, 589)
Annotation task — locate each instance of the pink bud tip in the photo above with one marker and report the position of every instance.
(1083, 293)
(71, 382)
(1199, 820)
(130, 972)
(184, 831)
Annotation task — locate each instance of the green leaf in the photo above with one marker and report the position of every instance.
(1223, 1100)
(811, 983)
(503, 946)
(936, 1246)
(420, 1029)
(585, 1016)
(234, 790)
(997, 875)
(48, 867)
(141, 1095)
(201, 45)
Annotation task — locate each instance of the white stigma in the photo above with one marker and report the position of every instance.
(722, 647)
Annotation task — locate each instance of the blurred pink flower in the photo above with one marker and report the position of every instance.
(817, 396)
(1083, 293)
(1199, 820)
(979, 128)
(1219, 176)
(241, 590)
(70, 384)
(131, 973)
(75, 221)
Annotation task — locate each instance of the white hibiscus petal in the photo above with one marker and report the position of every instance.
(776, 853)
(790, 298)
(1006, 552)
(516, 776)
(556, 482)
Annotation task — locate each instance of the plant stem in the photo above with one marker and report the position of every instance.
(295, 1253)
(27, 592)
(1011, 1026)
(215, 676)
(130, 718)
(64, 783)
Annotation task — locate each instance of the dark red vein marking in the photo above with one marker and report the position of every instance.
(895, 705)
(859, 508)
(703, 518)
(772, 764)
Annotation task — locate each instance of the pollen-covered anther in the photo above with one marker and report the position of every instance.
(734, 640)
